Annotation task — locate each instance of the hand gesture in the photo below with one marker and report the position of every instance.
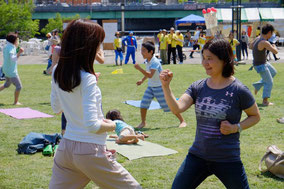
(137, 66)
(97, 74)
(227, 128)
(166, 77)
(139, 82)
(21, 50)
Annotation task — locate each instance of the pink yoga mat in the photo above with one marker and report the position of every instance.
(24, 113)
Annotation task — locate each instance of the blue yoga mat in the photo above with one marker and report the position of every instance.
(153, 106)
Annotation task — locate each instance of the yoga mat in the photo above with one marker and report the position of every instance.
(24, 113)
(153, 106)
(139, 150)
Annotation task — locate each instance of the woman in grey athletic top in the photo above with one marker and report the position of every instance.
(219, 101)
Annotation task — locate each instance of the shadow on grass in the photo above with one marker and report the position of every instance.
(1, 104)
(261, 106)
(270, 175)
(156, 128)
(45, 103)
(113, 66)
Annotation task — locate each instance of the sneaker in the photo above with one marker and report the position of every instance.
(180, 63)
(191, 56)
(280, 120)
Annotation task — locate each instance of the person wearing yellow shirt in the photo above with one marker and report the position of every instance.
(257, 31)
(172, 45)
(234, 43)
(159, 38)
(117, 43)
(163, 46)
(180, 40)
(201, 41)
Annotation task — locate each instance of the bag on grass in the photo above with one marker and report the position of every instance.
(274, 161)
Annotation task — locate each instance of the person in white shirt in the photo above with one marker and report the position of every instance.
(82, 155)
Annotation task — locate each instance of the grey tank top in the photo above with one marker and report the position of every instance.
(259, 57)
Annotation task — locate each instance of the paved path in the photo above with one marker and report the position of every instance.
(109, 58)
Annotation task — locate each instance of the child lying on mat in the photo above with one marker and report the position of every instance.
(125, 133)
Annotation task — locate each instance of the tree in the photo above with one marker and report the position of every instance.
(53, 23)
(57, 23)
(17, 16)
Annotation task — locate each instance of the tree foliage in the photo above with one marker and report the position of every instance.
(57, 23)
(53, 23)
(17, 16)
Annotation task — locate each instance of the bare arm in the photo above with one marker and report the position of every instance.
(144, 72)
(268, 46)
(106, 126)
(252, 118)
(141, 81)
(100, 56)
(185, 100)
(55, 59)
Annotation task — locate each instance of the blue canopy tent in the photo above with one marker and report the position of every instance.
(190, 19)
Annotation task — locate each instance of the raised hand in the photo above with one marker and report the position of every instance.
(166, 77)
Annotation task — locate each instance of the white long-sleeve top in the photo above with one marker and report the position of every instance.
(82, 109)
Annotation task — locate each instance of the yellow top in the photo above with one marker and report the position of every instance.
(257, 33)
(180, 37)
(117, 43)
(163, 42)
(171, 40)
(201, 41)
(159, 36)
(234, 43)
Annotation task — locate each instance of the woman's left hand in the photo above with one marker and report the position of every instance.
(227, 128)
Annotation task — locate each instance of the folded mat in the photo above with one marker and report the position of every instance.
(139, 150)
(137, 103)
(24, 113)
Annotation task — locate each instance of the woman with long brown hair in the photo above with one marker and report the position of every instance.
(82, 155)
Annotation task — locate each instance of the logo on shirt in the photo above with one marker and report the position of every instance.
(229, 94)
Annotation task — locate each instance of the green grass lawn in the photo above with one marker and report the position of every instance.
(34, 171)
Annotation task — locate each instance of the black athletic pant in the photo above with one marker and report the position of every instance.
(171, 50)
(179, 50)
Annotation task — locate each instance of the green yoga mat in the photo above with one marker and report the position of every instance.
(139, 150)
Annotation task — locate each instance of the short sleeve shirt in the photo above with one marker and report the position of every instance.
(155, 65)
(120, 125)
(233, 43)
(211, 107)
(163, 42)
(9, 66)
(180, 37)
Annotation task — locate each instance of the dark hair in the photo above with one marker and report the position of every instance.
(79, 45)
(11, 37)
(267, 28)
(149, 45)
(114, 115)
(223, 50)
